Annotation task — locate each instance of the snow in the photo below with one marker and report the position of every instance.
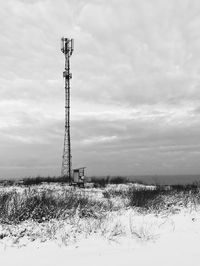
(168, 240)
(125, 237)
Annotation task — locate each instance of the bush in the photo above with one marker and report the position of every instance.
(113, 192)
(118, 180)
(45, 205)
(193, 188)
(100, 182)
(146, 198)
(38, 180)
(161, 198)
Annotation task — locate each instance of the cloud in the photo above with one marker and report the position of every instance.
(135, 86)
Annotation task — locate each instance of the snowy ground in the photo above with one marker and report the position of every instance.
(124, 237)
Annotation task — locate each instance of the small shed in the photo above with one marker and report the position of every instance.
(79, 176)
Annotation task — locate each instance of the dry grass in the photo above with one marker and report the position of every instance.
(158, 198)
(40, 206)
(64, 214)
(46, 204)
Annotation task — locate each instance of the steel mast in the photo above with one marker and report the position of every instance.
(67, 47)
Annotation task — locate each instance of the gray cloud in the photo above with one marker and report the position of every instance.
(135, 86)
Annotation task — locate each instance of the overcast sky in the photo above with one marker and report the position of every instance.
(135, 88)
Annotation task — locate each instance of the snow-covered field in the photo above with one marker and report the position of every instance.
(123, 235)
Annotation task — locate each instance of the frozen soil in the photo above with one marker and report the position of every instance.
(124, 235)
